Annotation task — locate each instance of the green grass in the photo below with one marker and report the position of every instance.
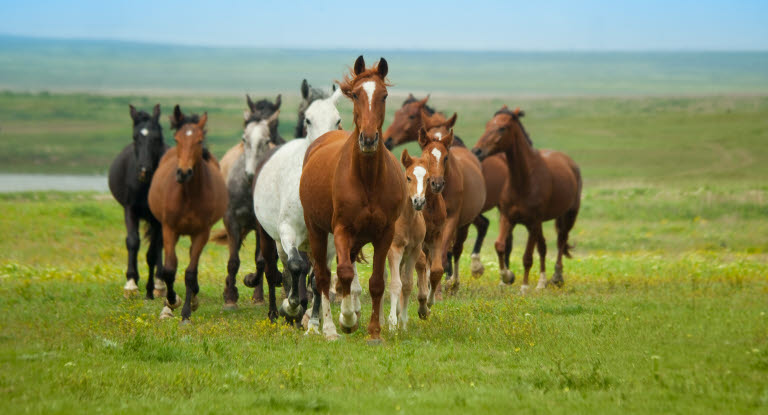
(664, 308)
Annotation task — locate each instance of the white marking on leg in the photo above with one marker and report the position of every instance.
(419, 172)
(369, 87)
(524, 289)
(437, 154)
(130, 285)
(144, 132)
(329, 329)
(395, 286)
(542, 281)
(347, 318)
(356, 290)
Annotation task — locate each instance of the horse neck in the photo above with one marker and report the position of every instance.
(197, 184)
(366, 167)
(435, 204)
(519, 159)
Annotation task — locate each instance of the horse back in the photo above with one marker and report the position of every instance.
(317, 176)
(565, 179)
(464, 191)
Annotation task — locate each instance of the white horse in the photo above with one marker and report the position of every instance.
(281, 215)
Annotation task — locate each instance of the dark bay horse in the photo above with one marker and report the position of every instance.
(464, 191)
(353, 188)
(405, 128)
(543, 185)
(187, 196)
(129, 178)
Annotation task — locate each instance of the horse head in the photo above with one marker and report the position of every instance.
(256, 141)
(261, 110)
(189, 148)
(148, 144)
(405, 126)
(367, 88)
(435, 149)
(322, 116)
(500, 134)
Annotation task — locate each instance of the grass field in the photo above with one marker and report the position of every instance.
(664, 308)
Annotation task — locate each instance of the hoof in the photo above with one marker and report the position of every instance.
(229, 307)
(375, 342)
(305, 320)
(159, 293)
(439, 292)
(332, 336)
(185, 322)
(174, 306)
(166, 313)
(423, 312)
(250, 281)
(194, 303)
(557, 283)
(452, 285)
(524, 289)
(272, 315)
(477, 266)
(285, 310)
(507, 276)
(350, 330)
(313, 327)
(130, 290)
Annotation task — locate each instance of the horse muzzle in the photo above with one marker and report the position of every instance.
(144, 175)
(437, 184)
(183, 175)
(418, 202)
(367, 143)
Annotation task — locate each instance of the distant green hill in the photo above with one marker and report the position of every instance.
(35, 65)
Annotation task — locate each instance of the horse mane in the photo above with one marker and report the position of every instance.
(412, 99)
(141, 116)
(185, 119)
(350, 79)
(516, 115)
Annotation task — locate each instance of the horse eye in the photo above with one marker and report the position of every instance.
(411, 117)
(354, 95)
(307, 121)
(384, 98)
(409, 178)
(501, 129)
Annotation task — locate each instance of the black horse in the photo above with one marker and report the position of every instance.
(129, 179)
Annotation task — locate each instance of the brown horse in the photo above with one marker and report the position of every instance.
(464, 191)
(187, 196)
(543, 185)
(352, 187)
(405, 128)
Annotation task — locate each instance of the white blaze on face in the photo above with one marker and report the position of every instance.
(369, 87)
(189, 132)
(437, 154)
(439, 136)
(144, 132)
(419, 172)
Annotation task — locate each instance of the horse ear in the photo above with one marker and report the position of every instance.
(423, 139)
(133, 111)
(176, 117)
(452, 121)
(304, 89)
(423, 102)
(203, 120)
(336, 95)
(246, 115)
(406, 159)
(359, 65)
(410, 96)
(333, 87)
(383, 68)
(448, 139)
(504, 108)
(278, 101)
(519, 112)
(424, 116)
(273, 118)
(156, 112)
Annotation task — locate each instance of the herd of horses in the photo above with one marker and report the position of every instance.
(324, 195)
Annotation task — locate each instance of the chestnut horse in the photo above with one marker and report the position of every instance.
(353, 188)
(187, 196)
(464, 191)
(543, 185)
(405, 128)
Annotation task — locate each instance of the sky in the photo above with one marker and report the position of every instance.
(588, 25)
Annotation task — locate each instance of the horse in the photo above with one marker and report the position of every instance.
(239, 219)
(353, 188)
(308, 96)
(256, 112)
(281, 214)
(405, 127)
(187, 195)
(129, 177)
(406, 248)
(464, 191)
(543, 185)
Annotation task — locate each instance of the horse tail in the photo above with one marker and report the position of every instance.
(360, 259)
(221, 237)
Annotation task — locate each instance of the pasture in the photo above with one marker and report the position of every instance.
(664, 307)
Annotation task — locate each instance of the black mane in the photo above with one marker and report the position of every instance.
(427, 108)
(516, 116)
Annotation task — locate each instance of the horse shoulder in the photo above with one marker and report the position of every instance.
(322, 141)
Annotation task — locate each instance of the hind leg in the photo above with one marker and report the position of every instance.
(172, 300)
(422, 282)
(406, 276)
(191, 302)
(256, 280)
(533, 238)
(155, 287)
(481, 223)
(395, 257)
(235, 233)
(503, 245)
(563, 225)
(269, 250)
(318, 242)
(458, 247)
(541, 245)
(132, 242)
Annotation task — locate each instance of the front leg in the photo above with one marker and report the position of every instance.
(191, 302)
(395, 257)
(132, 242)
(345, 271)
(318, 242)
(503, 245)
(155, 287)
(172, 301)
(234, 232)
(376, 282)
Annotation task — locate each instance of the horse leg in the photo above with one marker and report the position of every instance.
(481, 224)
(434, 269)
(406, 277)
(318, 242)
(268, 249)
(235, 233)
(528, 257)
(395, 257)
(346, 273)
(542, 248)
(191, 302)
(503, 245)
(376, 282)
(155, 287)
(293, 266)
(422, 274)
(449, 235)
(172, 301)
(132, 242)
(563, 225)
(256, 280)
(458, 247)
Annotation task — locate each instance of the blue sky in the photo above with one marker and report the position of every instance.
(445, 25)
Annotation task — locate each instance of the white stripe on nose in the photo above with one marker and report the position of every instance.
(369, 87)
(419, 172)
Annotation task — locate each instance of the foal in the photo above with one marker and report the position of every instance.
(129, 178)
(352, 187)
(188, 196)
(543, 185)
